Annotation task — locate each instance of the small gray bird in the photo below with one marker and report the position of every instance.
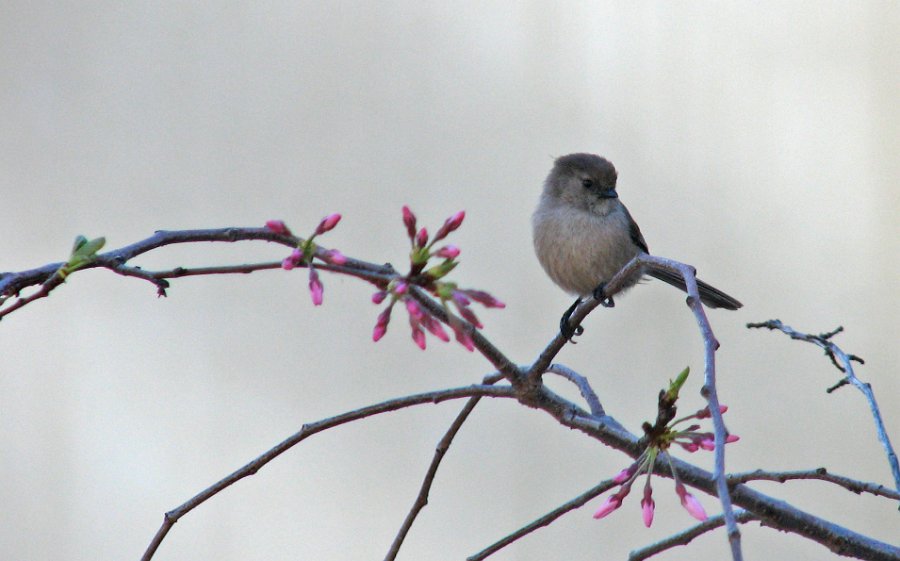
(584, 235)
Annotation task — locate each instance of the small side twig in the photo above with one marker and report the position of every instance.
(685, 537)
(439, 452)
(844, 362)
(544, 520)
(821, 474)
(587, 392)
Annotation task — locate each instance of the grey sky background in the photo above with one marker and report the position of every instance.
(756, 141)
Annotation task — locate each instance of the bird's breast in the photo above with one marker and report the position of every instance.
(580, 249)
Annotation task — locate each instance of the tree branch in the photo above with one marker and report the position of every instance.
(685, 537)
(544, 520)
(821, 474)
(439, 452)
(308, 430)
(844, 363)
(587, 392)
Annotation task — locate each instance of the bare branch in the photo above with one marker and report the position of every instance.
(843, 361)
(587, 392)
(710, 392)
(308, 430)
(544, 520)
(685, 537)
(439, 452)
(820, 474)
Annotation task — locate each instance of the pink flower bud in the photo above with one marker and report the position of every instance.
(470, 317)
(379, 297)
(647, 506)
(731, 438)
(400, 288)
(381, 324)
(460, 298)
(422, 238)
(448, 252)
(463, 338)
(315, 287)
(334, 257)
(278, 227)
(623, 476)
(328, 223)
(413, 308)
(455, 221)
(409, 220)
(435, 327)
(294, 259)
(690, 503)
(485, 299)
(611, 503)
(450, 225)
(689, 446)
(418, 337)
(707, 443)
(693, 506)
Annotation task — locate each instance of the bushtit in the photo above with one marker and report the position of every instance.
(583, 234)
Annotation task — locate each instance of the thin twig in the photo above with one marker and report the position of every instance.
(439, 452)
(821, 474)
(711, 394)
(544, 520)
(116, 260)
(685, 537)
(587, 392)
(844, 363)
(308, 430)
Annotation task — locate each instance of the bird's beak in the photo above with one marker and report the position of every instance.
(611, 194)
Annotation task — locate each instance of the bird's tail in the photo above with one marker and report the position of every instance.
(711, 296)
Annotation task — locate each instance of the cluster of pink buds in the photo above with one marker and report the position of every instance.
(660, 437)
(692, 439)
(307, 250)
(429, 278)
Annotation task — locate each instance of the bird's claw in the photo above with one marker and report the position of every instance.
(567, 331)
(599, 294)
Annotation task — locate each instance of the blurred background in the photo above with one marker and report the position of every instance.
(756, 141)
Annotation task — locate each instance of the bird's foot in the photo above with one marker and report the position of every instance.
(567, 330)
(599, 294)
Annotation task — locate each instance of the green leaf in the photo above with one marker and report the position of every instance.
(675, 385)
(83, 253)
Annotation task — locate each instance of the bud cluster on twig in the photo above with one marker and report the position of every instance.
(659, 437)
(422, 274)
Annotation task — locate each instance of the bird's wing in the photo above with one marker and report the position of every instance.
(635, 232)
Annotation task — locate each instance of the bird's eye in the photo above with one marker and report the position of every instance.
(587, 183)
